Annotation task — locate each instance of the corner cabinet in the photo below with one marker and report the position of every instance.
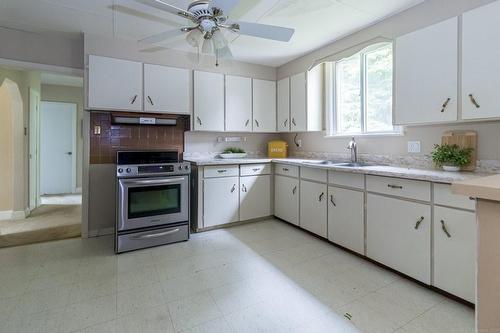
(426, 75)
(114, 84)
(264, 106)
(238, 104)
(313, 207)
(166, 89)
(480, 62)
(208, 103)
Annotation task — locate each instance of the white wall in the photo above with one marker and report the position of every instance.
(425, 14)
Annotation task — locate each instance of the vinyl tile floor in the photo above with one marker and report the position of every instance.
(260, 277)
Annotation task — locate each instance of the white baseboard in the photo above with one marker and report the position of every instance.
(13, 215)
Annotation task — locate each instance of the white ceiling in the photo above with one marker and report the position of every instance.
(316, 22)
(61, 79)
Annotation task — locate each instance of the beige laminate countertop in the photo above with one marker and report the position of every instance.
(483, 187)
(378, 170)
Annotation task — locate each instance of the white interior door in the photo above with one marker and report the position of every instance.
(34, 120)
(57, 148)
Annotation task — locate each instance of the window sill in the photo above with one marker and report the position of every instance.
(372, 135)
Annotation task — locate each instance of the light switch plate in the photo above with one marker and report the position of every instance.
(414, 146)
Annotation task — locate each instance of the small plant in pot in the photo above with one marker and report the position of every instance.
(451, 157)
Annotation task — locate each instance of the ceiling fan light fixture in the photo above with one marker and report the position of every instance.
(194, 37)
(208, 46)
(219, 40)
(224, 53)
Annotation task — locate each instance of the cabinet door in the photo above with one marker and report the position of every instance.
(313, 208)
(455, 252)
(255, 197)
(426, 70)
(298, 100)
(315, 98)
(480, 65)
(398, 235)
(286, 199)
(208, 101)
(166, 89)
(238, 104)
(264, 106)
(220, 201)
(114, 84)
(284, 105)
(346, 224)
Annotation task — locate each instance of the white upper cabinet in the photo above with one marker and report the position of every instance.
(315, 98)
(283, 105)
(480, 62)
(208, 101)
(238, 104)
(166, 89)
(264, 106)
(114, 84)
(298, 103)
(426, 72)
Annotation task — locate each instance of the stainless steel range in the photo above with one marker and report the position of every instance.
(153, 199)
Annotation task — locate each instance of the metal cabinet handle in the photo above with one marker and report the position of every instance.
(199, 121)
(257, 122)
(473, 101)
(160, 234)
(69, 153)
(294, 190)
(445, 104)
(418, 222)
(332, 201)
(255, 169)
(243, 188)
(221, 170)
(247, 122)
(286, 169)
(443, 226)
(285, 122)
(150, 100)
(321, 196)
(233, 188)
(134, 99)
(472, 198)
(293, 122)
(395, 186)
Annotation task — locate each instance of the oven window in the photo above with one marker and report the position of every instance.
(154, 200)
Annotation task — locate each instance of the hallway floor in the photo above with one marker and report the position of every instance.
(47, 222)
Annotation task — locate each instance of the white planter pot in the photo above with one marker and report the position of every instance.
(451, 168)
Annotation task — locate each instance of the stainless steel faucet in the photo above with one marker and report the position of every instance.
(354, 150)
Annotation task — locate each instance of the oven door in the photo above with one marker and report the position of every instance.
(149, 202)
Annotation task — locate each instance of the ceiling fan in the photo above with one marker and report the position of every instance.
(209, 19)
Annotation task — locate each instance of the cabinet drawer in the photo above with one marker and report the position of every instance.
(221, 171)
(412, 189)
(255, 169)
(318, 175)
(346, 179)
(287, 170)
(443, 196)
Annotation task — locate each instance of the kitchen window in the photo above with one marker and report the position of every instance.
(360, 89)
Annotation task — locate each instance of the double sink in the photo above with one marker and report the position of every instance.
(340, 164)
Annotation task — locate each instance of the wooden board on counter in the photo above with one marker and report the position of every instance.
(463, 139)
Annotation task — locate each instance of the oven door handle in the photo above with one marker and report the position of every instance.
(155, 181)
(160, 234)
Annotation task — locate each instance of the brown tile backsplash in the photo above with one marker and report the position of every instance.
(115, 137)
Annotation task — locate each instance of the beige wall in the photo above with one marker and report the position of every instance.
(55, 93)
(6, 149)
(427, 13)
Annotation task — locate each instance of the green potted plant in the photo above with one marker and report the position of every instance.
(451, 157)
(233, 152)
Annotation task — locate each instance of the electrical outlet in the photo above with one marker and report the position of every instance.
(414, 146)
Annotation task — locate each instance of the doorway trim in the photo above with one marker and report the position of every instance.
(74, 112)
(34, 149)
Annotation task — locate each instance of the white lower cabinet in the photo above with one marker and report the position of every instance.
(399, 235)
(255, 197)
(313, 209)
(346, 218)
(455, 252)
(286, 198)
(220, 201)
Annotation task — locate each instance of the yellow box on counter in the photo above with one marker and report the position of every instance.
(277, 149)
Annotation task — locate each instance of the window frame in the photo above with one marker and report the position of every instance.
(331, 102)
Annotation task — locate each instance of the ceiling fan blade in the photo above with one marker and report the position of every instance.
(225, 5)
(162, 36)
(265, 31)
(159, 4)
